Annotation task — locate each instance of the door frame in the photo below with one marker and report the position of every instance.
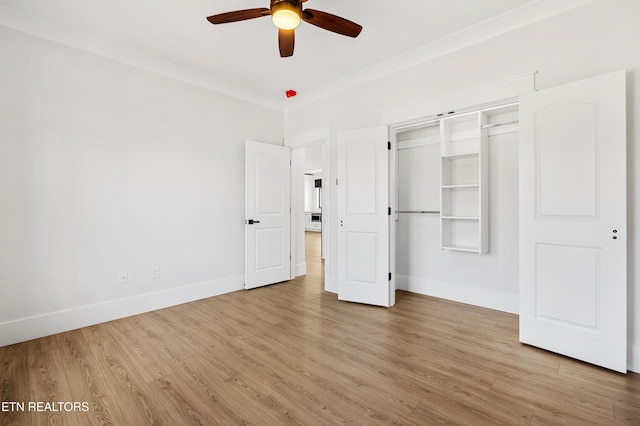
(318, 137)
(416, 115)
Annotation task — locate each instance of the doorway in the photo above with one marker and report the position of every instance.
(310, 201)
(313, 200)
(313, 224)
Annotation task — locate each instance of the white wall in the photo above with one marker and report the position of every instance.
(311, 193)
(594, 39)
(106, 167)
(313, 158)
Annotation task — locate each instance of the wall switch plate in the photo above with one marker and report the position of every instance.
(123, 277)
(155, 272)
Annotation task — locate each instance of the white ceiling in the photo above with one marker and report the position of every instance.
(245, 54)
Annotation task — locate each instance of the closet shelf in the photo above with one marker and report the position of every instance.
(470, 249)
(492, 125)
(460, 156)
(419, 211)
(461, 217)
(466, 185)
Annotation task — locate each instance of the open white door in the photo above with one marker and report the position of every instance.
(573, 237)
(363, 217)
(267, 214)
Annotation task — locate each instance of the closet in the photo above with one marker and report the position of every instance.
(517, 205)
(457, 202)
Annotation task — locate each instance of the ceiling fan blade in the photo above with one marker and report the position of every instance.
(286, 41)
(331, 22)
(238, 15)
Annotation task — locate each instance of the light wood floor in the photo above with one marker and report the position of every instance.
(292, 354)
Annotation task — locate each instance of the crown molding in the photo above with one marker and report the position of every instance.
(522, 16)
(49, 30)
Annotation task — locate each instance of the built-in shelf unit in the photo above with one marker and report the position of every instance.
(464, 180)
(464, 200)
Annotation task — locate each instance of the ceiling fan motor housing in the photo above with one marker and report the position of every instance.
(278, 4)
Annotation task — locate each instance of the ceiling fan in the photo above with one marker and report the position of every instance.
(286, 15)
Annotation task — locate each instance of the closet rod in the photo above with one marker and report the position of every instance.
(489, 126)
(419, 211)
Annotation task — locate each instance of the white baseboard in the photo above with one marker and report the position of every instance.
(301, 269)
(633, 359)
(485, 298)
(37, 326)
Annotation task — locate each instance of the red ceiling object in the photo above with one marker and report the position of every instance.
(290, 93)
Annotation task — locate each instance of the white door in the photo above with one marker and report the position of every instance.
(363, 217)
(267, 214)
(573, 236)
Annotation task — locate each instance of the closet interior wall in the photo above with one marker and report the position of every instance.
(422, 266)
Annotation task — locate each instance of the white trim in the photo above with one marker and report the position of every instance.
(522, 16)
(301, 269)
(24, 329)
(492, 92)
(52, 31)
(514, 19)
(633, 359)
(491, 299)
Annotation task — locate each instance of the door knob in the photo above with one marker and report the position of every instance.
(251, 221)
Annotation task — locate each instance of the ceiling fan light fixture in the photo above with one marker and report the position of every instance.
(285, 16)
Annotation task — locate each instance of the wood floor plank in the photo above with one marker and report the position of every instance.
(86, 380)
(554, 404)
(626, 414)
(14, 381)
(185, 404)
(148, 365)
(293, 354)
(590, 380)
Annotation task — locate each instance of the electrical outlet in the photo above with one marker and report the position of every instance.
(155, 272)
(123, 277)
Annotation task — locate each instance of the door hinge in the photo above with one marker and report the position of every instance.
(389, 276)
(336, 181)
(389, 145)
(389, 211)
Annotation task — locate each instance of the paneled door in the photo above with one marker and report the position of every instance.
(363, 217)
(573, 236)
(267, 214)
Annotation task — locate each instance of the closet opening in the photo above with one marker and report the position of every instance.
(455, 180)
